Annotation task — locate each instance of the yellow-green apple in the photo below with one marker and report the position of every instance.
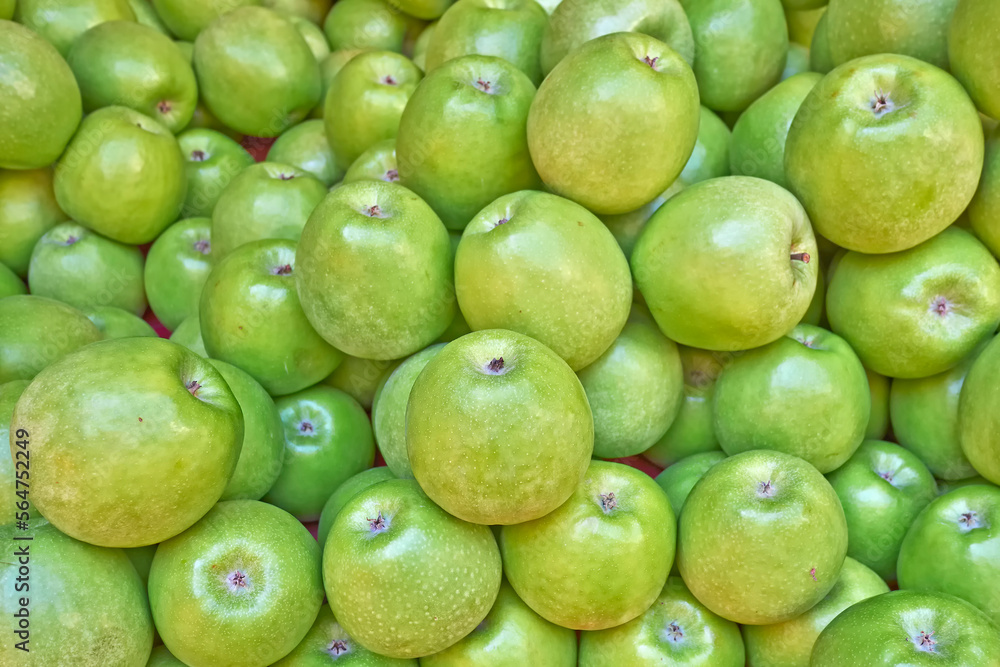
(187, 18)
(365, 24)
(211, 161)
(422, 9)
(117, 323)
(978, 413)
(305, 146)
(328, 643)
(62, 23)
(146, 15)
(347, 490)
(329, 67)
(188, 334)
(312, 34)
(360, 377)
(972, 52)
(36, 331)
(878, 422)
(314, 10)
(177, 267)
(797, 62)
(984, 210)
(378, 163)
(820, 58)
(678, 480)
(28, 209)
(10, 283)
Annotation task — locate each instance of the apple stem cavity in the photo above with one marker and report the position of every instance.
(887, 476)
(969, 521)
(882, 104)
(391, 176)
(652, 62)
(801, 257)
(373, 211)
(70, 240)
(164, 106)
(378, 524)
(765, 489)
(673, 632)
(283, 270)
(941, 306)
(389, 80)
(198, 156)
(608, 502)
(193, 386)
(237, 582)
(306, 427)
(495, 367)
(286, 177)
(925, 642)
(204, 246)
(338, 647)
(501, 221)
(485, 86)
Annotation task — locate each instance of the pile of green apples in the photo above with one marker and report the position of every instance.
(490, 333)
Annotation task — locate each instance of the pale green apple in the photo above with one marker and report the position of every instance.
(924, 415)
(36, 332)
(878, 422)
(314, 10)
(805, 394)
(42, 105)
(128, 64)
(365, 24)
(347, 490)
(882, 489)
(389, 409)
(978, 413)
(312, 34)
(211, 161)
(10, 283)
(467, 117)
(972, 51)
(508, 29)
(62, 23)
(676, 630)
(74, 265)
(919, 29)
(327, 641)
(146, 15)
(984, 210)
(255, 72)
(361, 244)
(263, 449)
(468, 441)
(251, 317)
(360, 377)
(376, 163)
(678, 480)
(28, 209)
(365, 102)
(329, 67)
(710, 157)
(177, 266)
(626, 102)
(565, 280)
(758, 144)
(138, 461)
(305, 147)
(18, 495)
(510, 634)
(905, 142)
(918, 312)
(740, 49)
(267, 200)
(627, 227)
(575, 22)
(802, 22)
(122, 175)
(814, 315)
(635, 389)
(162, 657)
(820, 58)
(727, 264)
(7, 9)
(789, 527)
(187, 18)
(790, 644)
(188, 334)
(797, 62)
(117, 323)
(422, 9)
(241, 587)
(405, 578)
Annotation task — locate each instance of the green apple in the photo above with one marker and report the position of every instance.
(984, 218)
(573, 23)
(740, 49)
(188, 335)
(814, 315)
(710, 157)
(138, 461)
(38, 120)
(676, 630)
(468, 117)
(74, 265)
(251, 318)
(627, 227)
(600, 559)
(146, 15)
(692, 431)
(327, 641)
(360, 377)
(314, 10)
(305, 147)
(389, 409)
(805, 394)
(28, 209)
(909, 628)
(797, 62)
(240, 587)
(510, 634)
(954, 547)
(859, 28)
(365, 102)
(420, 46)
(944, 486)
(678, 480)
(122, 175)
(10, 283)
(263, 448)
(877, 124)
(16, 495)
(508, 29)
(177, 266)
(972, 51)
(132, 65)
(141, 559)
(7, 9)
(882, 489)
(360, 246)
(626, 102)
(255, 71)
(211, 161)
(161, 655)
(727, 264)
(565, 280)
(117, 323)
(790, 644)
(36, 331)
(312, 34)
(347, 490)
(422, 9)
(62, 23)
(187, 18)
(820, 57)
(405, 578)
(365, 24)
(90, 599)
(204, 119)
(978, 413)
(378, 163)
(918, 312)
(758, 145)
(468, 441)
(329, 68)
(924, 415)
(878, 422)
(789, 527)
(267, 200)
(327, 439)
(635, 390)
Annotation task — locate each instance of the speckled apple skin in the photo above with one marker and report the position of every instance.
(26, 348)
(972, 49)
(979, 413)
(328, 643)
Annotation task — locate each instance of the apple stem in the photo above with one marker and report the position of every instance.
(374, 211)
(70, 240)
(283, 270)
(496, 365)
(925, 642)
(801, 257)
(378, 524)
(608, 502)
(651, 61)
(193, 386)
(204, 246)
(389, 80)
(674, 632)
(198, 156)
(286, 177)
(391, 176)
(306, 427)
(765, 489)
(501, 221)
(969, 520)
(163, 106)
(483, 85)
(337, 647)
